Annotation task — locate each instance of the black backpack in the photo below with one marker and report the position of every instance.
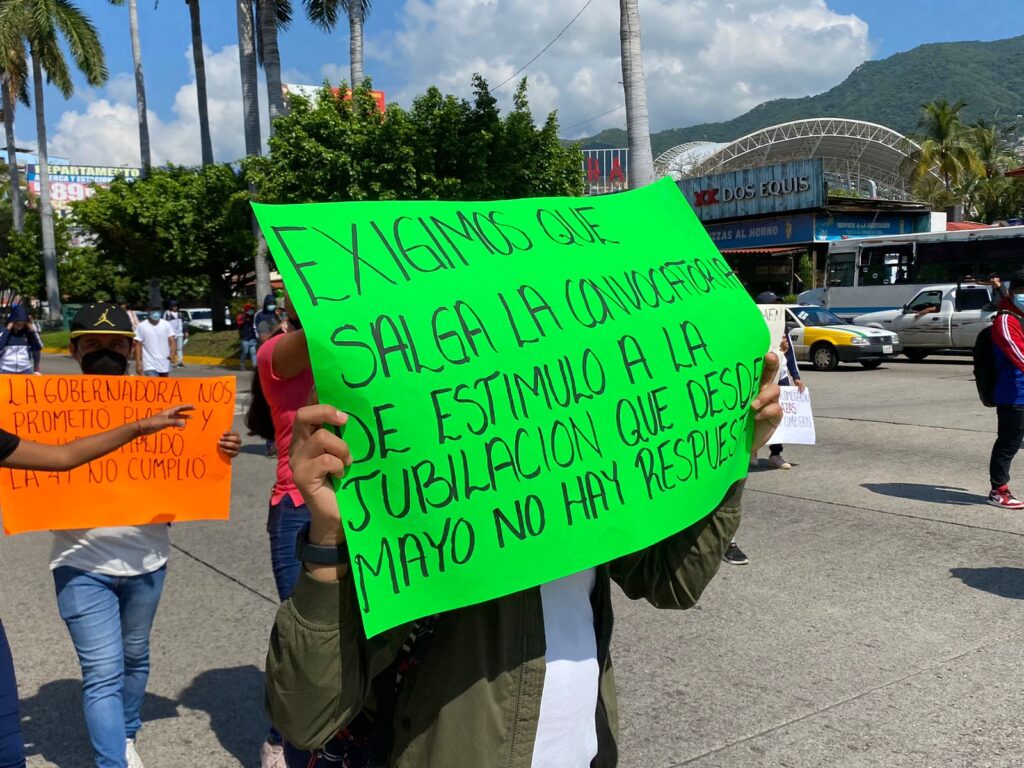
(985, 368)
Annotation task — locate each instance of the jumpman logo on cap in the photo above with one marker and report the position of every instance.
(104, 319)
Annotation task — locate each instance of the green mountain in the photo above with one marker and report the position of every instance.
(988, 76)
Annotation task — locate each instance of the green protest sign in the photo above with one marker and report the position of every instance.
(534, 387)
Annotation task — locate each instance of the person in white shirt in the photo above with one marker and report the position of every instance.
(108, 581)
(173, 317)
(155, 348)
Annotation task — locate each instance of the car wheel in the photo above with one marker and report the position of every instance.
(871, 364)
(915, 355)
(824, 357)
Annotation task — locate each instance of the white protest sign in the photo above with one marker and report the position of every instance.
(775, 318)
(797, 427)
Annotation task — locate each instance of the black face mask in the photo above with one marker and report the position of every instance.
(104, 362)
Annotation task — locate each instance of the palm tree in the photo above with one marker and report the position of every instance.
(140, 85)
(251, 123)
(271, 56)
(324, 13)
(205, 141)
(990, 144)
(945, 146)
(42, 24)
(641, 161)
(250, 83)
(14, 84)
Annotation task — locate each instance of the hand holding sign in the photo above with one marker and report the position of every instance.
(318, 458)
(533, 387)
(766, 408)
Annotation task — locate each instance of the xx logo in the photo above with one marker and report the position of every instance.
(706, 197)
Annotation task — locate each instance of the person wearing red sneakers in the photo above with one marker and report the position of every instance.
(1008, 339)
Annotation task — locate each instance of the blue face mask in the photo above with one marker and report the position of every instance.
(154, 316)
(271, 307)
(1018, 301)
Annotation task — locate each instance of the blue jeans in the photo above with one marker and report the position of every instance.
(12, 746)
(284, 520)
(156, 373)
(248, 350)
(109, 618)
(283, 523)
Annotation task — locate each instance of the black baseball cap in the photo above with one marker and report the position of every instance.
(101, 318)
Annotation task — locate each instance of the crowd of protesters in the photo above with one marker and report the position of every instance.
(335, 697)
(434, 692)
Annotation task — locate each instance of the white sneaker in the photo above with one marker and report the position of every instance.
(272, 756)
(778, 462)
(131, 756)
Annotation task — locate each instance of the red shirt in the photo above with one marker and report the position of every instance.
(285, 397)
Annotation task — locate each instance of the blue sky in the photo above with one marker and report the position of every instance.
(899, 25)
(705, 60)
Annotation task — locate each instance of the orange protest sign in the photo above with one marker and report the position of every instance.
(169, 477)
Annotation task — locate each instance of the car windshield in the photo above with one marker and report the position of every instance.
(201, 314)
(815, 316)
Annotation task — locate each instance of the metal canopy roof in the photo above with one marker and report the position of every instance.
(865, 157)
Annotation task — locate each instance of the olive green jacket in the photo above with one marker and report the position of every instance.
(475, 699)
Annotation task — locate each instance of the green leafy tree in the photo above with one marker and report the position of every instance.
(945, 145)
(805, 271)
(21, 269)
(988, 194)
(42, 24)
(189, 227)
(442, 148)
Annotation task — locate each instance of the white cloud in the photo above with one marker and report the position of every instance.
(106, 132)
(705, 60)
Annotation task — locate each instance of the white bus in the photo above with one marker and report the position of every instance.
(868, 274)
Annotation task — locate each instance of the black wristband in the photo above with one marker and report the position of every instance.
(317, 554)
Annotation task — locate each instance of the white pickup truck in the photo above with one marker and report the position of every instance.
(939, 317)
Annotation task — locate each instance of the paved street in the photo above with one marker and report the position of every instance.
(877, 624)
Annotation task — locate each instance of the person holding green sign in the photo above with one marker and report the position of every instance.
(522, 681)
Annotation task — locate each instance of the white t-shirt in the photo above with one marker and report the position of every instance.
(156, 345)
(129, 550)
(174, 318)
(567, 729)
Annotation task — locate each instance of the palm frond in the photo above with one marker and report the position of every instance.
(83, 41)
(322, 13)
(346, 5)
(284, 14)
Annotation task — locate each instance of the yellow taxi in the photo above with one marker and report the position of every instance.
(826, 341)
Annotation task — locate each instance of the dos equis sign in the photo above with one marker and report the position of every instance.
(796, 185)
